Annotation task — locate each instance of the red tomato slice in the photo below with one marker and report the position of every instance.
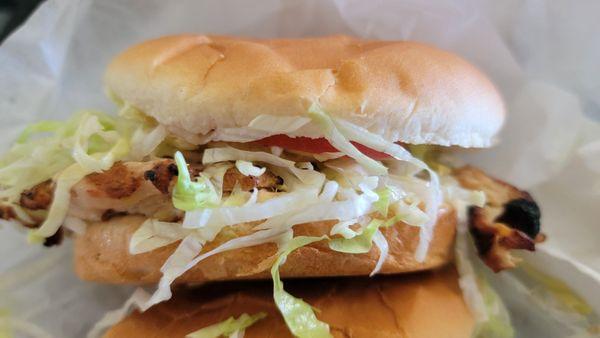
(314, 145)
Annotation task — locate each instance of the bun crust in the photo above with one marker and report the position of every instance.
(102, 254)
(404, 91)
(415, 306)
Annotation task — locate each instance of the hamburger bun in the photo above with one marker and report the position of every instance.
(102, 254)
(405, 91)
(409, 306)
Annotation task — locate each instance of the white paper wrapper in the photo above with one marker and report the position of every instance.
(543, 55)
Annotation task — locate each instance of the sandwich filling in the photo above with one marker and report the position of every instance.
(265, 178)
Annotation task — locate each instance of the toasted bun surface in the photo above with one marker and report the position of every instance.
(102, 254)
(405, 91)
(408, 306)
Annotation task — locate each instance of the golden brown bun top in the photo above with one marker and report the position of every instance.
(405, 91)
(409, 306)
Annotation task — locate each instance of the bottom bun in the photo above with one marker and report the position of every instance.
(418, 305)
(102, 254)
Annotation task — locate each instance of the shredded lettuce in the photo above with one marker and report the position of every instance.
(363, 242)
(252, 199)
(298, 315)
(40, 127)
(343, 229)
(306, 213)
(92, 135)
(382, 205)
(176, 265)
(340, 133)
(411, 213)
(60, 203)
(67, 151)
(376, 142)
(358, 244)
(145, 140)
(434, 196)
(216, 174)
(256, 238)
(33, 160)
(189, 195)
(308, 177)
(153, 234)
(356, 207)
(218, 218)
(383, 247)
(346, 172)
(249, 169)
(338, 141)
(238, 197)
(228, 327)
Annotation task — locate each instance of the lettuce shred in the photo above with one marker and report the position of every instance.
(340, 142)
(229, 327)
(298, 315)
(67, 151)
(191, 195)
(153, 234)
(60, 203)
(359, 244)
(248, 169)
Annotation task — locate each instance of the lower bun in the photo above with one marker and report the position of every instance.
(102, 254)
(419, 305)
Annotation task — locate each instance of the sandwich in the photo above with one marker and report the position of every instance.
(244, 159)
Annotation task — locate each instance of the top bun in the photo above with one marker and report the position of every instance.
(405, 91)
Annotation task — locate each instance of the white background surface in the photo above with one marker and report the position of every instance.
(543, 55)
